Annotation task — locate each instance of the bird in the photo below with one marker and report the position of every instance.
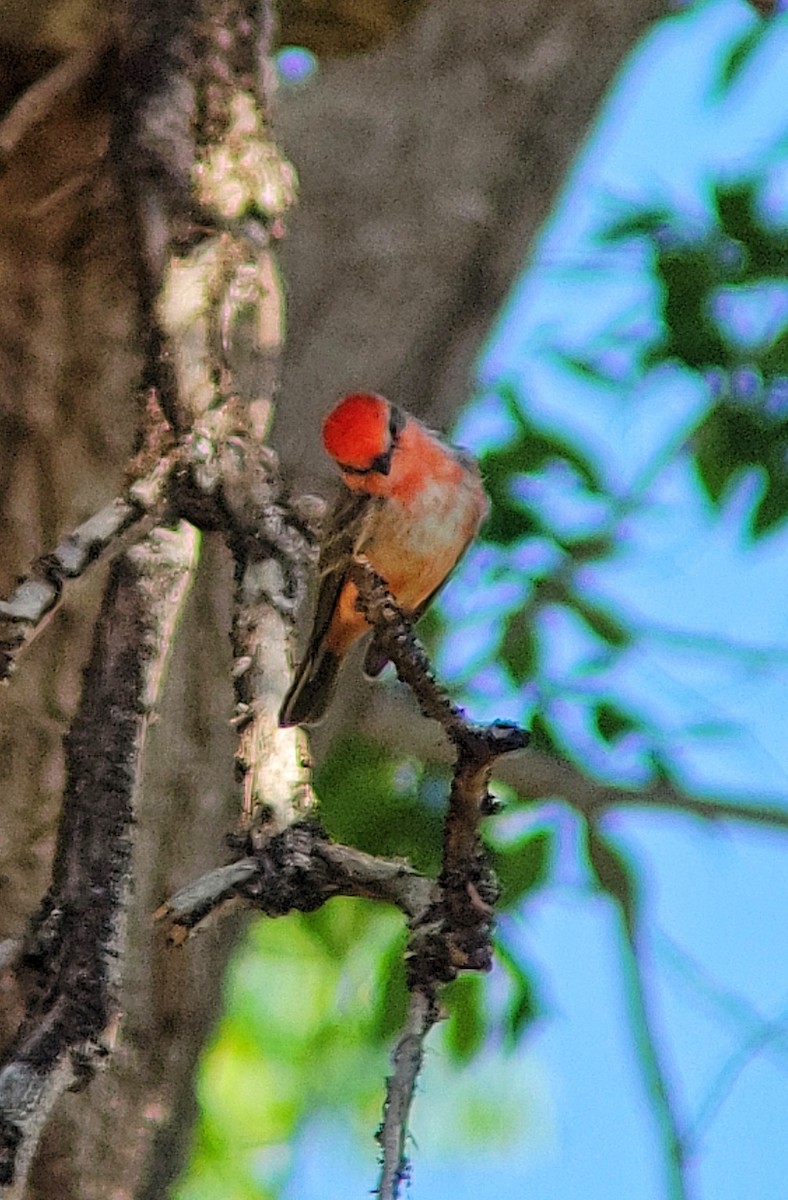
(410, 505)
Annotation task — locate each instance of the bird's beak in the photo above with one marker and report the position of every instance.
(382, 464)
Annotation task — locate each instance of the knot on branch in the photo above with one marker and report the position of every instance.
(455, 934)
(298, 870)
(479, 745)
(291, 873)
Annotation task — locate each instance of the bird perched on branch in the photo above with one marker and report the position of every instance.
(411, 505)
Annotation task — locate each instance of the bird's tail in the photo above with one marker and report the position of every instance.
(312, 689)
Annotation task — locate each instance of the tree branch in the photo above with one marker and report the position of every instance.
(451, 920)
(646, 1041)
(455, 933)
(400, 1088)
(38, 595)
(70, 962)
(537, 776)
(298, 869)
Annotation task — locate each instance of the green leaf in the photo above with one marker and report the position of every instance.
(524, 1006)
(738, 58)
(767, 248)
(541, 736)
(641, 224)
(508, 521)
(774, 360)
(689, 274)
(731, 438)
(589, 549)
(467, 1026)
(612, 722)
(523, 1010)
(612, 873)
(535, 447)
(519, 648)
(602, 621)
(773, 504)
(709, 453)
(524, 866)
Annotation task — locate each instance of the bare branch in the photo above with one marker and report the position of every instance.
(40, 98)
(292, 865)
(455, 933)
(537, 776)
(298, 870)
(37, 596)
(400, 1087)
(27, 610)
(70, 962)
(271, 762)
(646, 1041)
(770, 1034)
(613, 875)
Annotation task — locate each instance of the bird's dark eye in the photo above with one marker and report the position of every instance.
(397, 421)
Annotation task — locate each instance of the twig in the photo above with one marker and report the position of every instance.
(612, 876)
(70, 962)
(653, 1071)
(759, 1033)
(400, 1088)
(37, 596)
(298, 870)
(397, 638)
(723, 1083)
(456, 932)
(295, 866)
(537, 776)
(37, 102)
(26, 612)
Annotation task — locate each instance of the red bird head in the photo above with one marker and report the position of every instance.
(360, 433)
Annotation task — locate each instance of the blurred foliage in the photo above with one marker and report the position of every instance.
(554, 515)
(306, 1026)
(718, 295)
(381, 804)
(612, 871)
(721, 314)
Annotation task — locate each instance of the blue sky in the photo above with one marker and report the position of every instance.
(715, 896)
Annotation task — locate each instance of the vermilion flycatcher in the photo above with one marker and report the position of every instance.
(411, 506)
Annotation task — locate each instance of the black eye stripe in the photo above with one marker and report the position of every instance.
(346, 470)
(397, 421)
(379, 466)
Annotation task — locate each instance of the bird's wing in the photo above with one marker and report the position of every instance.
(345, 533)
